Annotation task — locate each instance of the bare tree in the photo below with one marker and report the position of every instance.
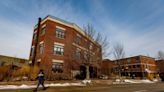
(104, 42)
(119, 53)
(93, 55)
(89, 33)
(160, 55)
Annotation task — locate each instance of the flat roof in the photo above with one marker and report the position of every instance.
(134, 57)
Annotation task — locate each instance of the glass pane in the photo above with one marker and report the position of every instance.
(43, 30)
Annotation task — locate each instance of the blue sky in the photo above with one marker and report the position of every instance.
(137, 24)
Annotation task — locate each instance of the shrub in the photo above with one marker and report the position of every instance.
(26, 72)
(34, 72)
(4, 72)
(58, 76)
(23, 71)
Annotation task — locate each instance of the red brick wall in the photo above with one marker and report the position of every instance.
(106, 67)
(150, 62)
(160, 66)
(139, 60)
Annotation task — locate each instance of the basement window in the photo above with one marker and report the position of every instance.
(57, 67)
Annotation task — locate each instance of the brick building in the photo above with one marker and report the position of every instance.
(14, 61)
(60, 47)
(106, 67)
(160, 69)
(137, 66)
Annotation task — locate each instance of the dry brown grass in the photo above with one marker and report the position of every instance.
(24, 71)
(4, 72)
(34, 72)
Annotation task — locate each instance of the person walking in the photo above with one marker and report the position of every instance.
(40, 80)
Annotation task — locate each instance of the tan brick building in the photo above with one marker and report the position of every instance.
(137, 66)
(61, 48)
(14, 61)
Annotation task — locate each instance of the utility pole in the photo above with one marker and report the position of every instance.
(36, 41)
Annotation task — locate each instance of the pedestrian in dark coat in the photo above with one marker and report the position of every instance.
(41, 79)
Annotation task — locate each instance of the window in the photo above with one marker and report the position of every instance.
(78, 39)
(134, 66)
(137, 59)
(85, 55)
(57, 67)
(90, 46)
(138, 66)
(43, 31)
(35, 36)
(38, 61)
(78, 53)
(126, 67)
(41, 48)
(129, 60)
(98, 50)
(60, 33)
(59, 49)
(32, 51)
(86, 44)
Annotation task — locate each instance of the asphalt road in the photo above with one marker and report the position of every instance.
(155, 87)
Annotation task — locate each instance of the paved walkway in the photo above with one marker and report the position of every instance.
(154, 87)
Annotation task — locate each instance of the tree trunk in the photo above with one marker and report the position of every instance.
(87, 72)
(119, 71)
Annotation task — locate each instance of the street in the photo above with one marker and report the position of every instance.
(155, 87)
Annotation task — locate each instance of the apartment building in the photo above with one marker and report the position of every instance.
(136, 67)
(61, 47)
